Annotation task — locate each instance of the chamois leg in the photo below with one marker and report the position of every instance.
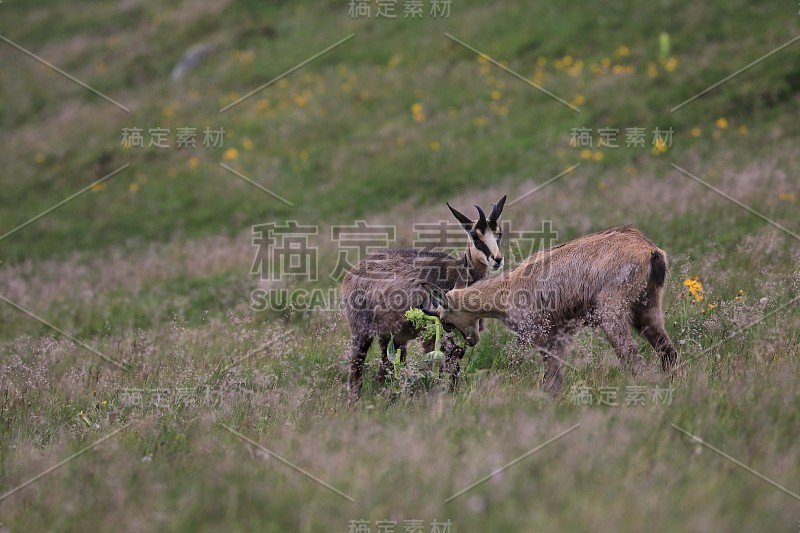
(649, 322)
(616, 326)
(553, 353)
(453, 353)
(359, 347)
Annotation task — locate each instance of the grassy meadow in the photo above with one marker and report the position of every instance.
(125, 312)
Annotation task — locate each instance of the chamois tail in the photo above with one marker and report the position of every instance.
(658, 268)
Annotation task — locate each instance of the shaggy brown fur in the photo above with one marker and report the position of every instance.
(612, 279)
(380, 288)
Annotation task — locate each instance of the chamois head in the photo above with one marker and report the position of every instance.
(451, 317)
(484, 235)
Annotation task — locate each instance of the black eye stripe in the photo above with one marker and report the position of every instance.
(481, 246)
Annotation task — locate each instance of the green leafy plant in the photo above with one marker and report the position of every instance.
(394, 356)
(431, 327)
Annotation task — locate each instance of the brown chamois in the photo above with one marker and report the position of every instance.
(612, 279)
(381, 287)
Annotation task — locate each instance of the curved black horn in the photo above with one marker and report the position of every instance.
(482, 217)
(465, 222)
(497, 209)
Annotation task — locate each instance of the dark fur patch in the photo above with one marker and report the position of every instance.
(658, 268)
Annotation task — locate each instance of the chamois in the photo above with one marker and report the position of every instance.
(612, 279)
(381, 287)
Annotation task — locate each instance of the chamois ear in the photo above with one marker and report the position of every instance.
(481, 224)
(464, 220)
(497, 210)
(438, 296)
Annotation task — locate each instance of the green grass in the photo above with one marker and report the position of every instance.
(154, 268)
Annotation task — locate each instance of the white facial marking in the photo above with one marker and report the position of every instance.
(490, 241)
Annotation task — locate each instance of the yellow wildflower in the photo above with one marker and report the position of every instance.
(695, 288)
(418, 112)
(579, 100)
(660, 146)
(246, 57)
